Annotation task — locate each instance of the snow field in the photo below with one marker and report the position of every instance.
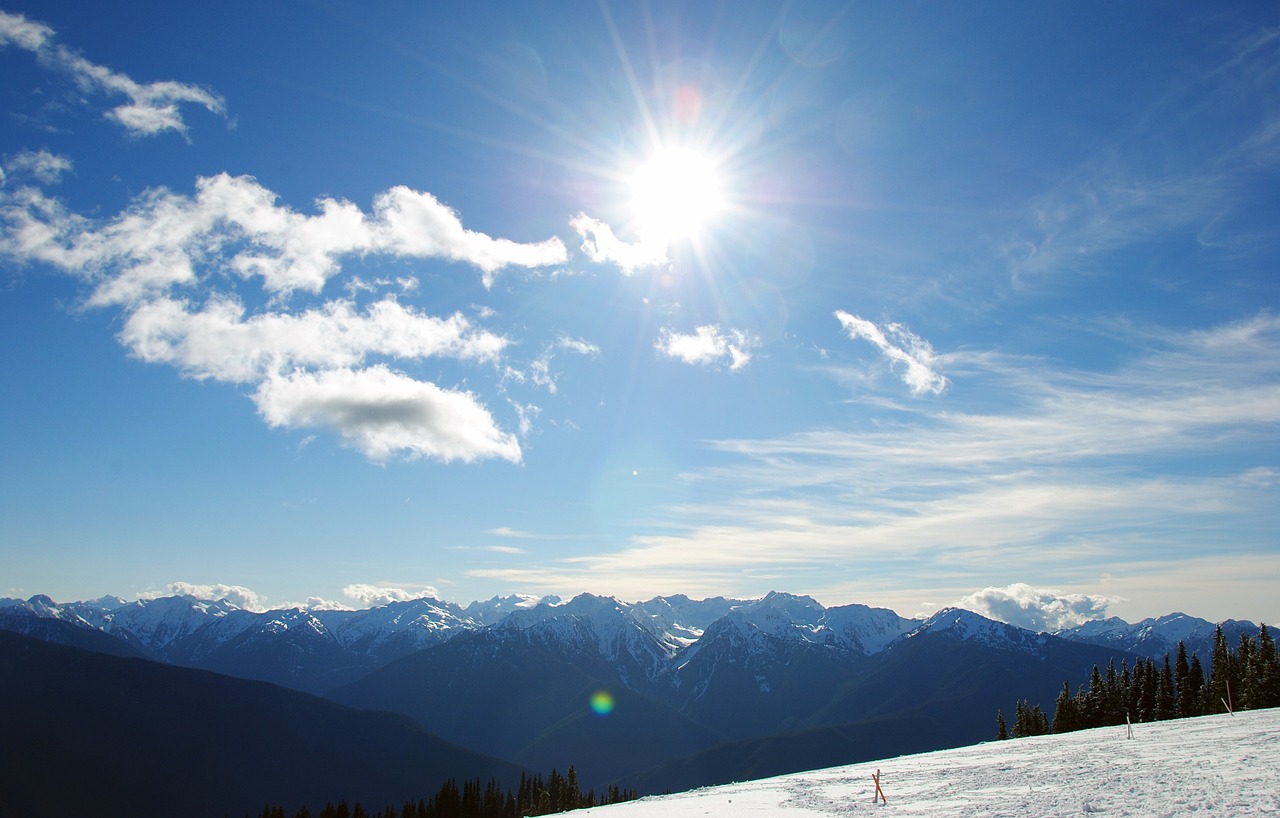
(1211, 766)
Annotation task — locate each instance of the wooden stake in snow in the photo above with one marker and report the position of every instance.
(1227, 701)
(879, 792)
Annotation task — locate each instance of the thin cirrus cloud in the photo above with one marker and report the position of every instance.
(540, 370)
(152, 108)
(707, 345)
(910, 355)
(1068, 479)
(166, 251)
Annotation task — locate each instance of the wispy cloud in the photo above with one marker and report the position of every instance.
(505, 531)
(577, 345)
(910, 354)
(707, 345)
(540, 371)
(152, 108)
(43, 166)
(1074, 477)
(1153, 178)
(164, 261)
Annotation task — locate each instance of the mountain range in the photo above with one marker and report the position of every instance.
(664, 694)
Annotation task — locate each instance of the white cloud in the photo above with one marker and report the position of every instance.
(506, 531)
(218, 341)
(577, 345)
(16, 29)
(409, 223)
(41, 165)
(237, 595)
(232, 224)
(382, 413)
(707, 345)
(164, 261)
(369, 596)
(601, 245)
(315, 603)
(1037, 609)
(901, 346)
(152, 107)
(503, 549)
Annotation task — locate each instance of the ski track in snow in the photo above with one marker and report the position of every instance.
(1215, 765)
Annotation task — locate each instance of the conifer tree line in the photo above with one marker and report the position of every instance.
(535, 796)
(1246, 678)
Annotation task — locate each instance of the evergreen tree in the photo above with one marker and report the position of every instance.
(1184, 705)
(1002, 730)
(1113, 703)
(1195, 689)
(1164, 705)
(1246, 671)
(1095, 700)
(1064, 716)
(573, 794)
(1039, 722)
(1135, 690)
(1125, 692)
(1150, 690)
(1268, 683)
(1221, 681)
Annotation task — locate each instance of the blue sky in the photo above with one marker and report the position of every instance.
(901, 304)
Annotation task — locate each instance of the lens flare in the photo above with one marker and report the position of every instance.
(602, 702)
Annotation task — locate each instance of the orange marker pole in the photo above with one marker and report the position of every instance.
(879, 792)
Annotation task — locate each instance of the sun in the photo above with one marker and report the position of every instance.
(675, 194)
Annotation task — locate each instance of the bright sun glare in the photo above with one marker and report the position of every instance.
(675, 194)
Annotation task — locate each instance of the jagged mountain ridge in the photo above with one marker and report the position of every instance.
(1156, 636)
(656, 641)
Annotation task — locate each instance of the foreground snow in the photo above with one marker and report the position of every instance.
(1216, 765)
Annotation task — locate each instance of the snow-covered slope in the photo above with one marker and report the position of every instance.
(1226, 766)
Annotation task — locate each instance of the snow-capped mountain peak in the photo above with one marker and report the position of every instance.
(865, 629)
(495, 609)
(684, 619)
(969, 626)
(783, 615)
